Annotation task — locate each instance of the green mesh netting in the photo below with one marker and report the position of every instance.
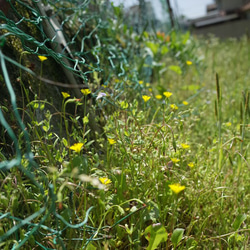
(68, 34)
(38, 28)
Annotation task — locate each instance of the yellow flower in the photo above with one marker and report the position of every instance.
(185, 102)
(148, 84)
(65, 95)
(228, 124)
(111, 141)
(173, 106)
(146, 98)
(167, 94)
(176, 188)
(159, 97)
(189, 63)
(150, 89)
(191, 164)
(105, 180)
(77, 147)
(175, 160)
(185, 146)
(85, 91)
(140, 82)
(42, 58)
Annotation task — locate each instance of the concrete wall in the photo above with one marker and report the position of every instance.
(230, 4)
(225, 30)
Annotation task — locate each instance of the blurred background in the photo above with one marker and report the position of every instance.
(223, 18)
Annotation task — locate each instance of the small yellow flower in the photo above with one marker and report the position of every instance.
(191, 164)
(85, 91)
(111, 141)
(159, 97)
(150, 89)
(167, 94)
(77, 147)
(140, 82)
(42, 58)
(189, 63)
(148, 84)
(146, 98)
(185, 146)
(175, 160)
(228, 124)
(65, 95)
(105, 180)
(176, 188)
(173, 106)
(185, 102)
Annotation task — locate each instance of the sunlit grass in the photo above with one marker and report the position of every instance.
(172, 166)
(212, 167)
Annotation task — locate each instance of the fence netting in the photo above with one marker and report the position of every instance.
(75, 36)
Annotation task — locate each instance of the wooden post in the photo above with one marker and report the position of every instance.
(4, 6)
(170, 10)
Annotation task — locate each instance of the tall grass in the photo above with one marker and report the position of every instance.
(175, 171)
(202, 145)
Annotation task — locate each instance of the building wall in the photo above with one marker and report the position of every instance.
(230, 4)
(225, 30)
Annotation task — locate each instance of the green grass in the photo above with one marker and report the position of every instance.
(150, 134)
(203, 146)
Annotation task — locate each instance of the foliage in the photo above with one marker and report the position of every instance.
(171, 170)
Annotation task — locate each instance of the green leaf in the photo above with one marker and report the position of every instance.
(124, 104)
(81, 163)
(2, 41)
(121, 210)
(238, 221)
(117, 11)
(35, 105)
(65, 142)
(176, 69)
(46, 128)
(185, 38)
(85, 120)
(42, 106)
(89, 143)
(151, 212)
(177, 236)
(191, 244)
(71, 100)
(155, 234)
(164, 50)
(153, 46)
(90, 247)
(239, 238)
(145, 34)
(2, 158)
(3, 107)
